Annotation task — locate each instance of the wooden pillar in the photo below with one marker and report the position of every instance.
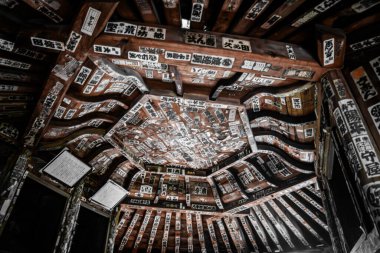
(70, 216)
(112, 232)
(13, 186)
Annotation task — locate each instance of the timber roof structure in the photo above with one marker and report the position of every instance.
(204, 111)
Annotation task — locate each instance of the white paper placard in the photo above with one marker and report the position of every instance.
(109, 195)
(66, 168)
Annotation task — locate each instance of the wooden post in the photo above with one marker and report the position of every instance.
(15, 182)
(68, 224)
(112, 232)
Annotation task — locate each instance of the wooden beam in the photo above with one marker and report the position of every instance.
(249, 233)
(331, 44)
(144, 204)
(259, 230)
(312, 189)
(159, 189)
(268, 227)
(257, 56)
(235, 234)
(172, 12)
(279, 226)
(226, 15)
(230, 176)
(189, 229)
(127, 11)
(307, 211)
(211, 231)
(165, 236)
(310, 201)
(261, 173)
(201, 235)
(222, 84)
(177, 232)
(250, 16)
(127, 75)
(128, 232)
(223, 232)
(125, 218)
(215, 193)
(319, 9)
(271, 193)
(143, 226)
(231, 161)
(147, 11)
(286, 9)
(56, 11)
(199, 13)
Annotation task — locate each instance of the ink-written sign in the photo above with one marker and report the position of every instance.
(363, 83)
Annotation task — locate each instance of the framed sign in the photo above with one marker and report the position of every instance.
(109, 195)
(66, 168)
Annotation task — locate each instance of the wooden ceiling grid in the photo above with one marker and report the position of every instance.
(86, 73)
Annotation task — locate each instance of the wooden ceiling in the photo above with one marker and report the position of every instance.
(205, 111)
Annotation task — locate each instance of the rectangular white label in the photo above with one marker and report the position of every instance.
(328, 52)
(82, 75)
(290, 51)
(236, 44)
(73, 41)
(375, 64)
(6, 45)
(121, 28)
(363, 83)
(200, 39)
(212, 60)
(132, 55)
(107, 50)
(50, 44)
(196, 12)
(177, 56)
(151, 32)
(374, 111)
(90, 21)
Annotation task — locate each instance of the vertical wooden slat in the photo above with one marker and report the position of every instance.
(189, 227)
(153, 233)
(142, 228)
(165, 237)
(268, 227)
(177, 231)
(211, 231)
(249, 233)
(201, 236)
(128, 232)
(259, 230)
(223, 232)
